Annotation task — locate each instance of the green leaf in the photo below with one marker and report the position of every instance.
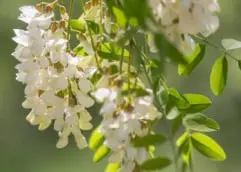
(207, 147)
(231, 44)
(96, 139)
(185, 148)
(175, 100)
(197, 103)
(112, 167)
(199, 122)
(173, 114)
(184, 167)
(78, 24)
(176, 124)
(194, 60)
(239, 64)
(94, 27)
(79, 50)
(101, 153)
(136, 10)
(182, 139)
(151, 150)
(167, 49)
(148, 140)
(218, 77)
(111, 51)
(156, 164)
(120, 16)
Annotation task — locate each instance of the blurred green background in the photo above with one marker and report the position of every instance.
(24, 149)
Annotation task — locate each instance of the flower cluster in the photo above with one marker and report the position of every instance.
(124, 119)
(56, 85)
(181, 18)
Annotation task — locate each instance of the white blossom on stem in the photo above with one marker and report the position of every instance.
(181, 18)
(56, 86)
(121, 124)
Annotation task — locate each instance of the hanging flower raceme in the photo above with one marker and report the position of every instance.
(179, 19)
(111, 64)
(56, 86)
(125, 117)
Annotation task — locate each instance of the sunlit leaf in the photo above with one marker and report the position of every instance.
(218, 76)
(175, 100)
(184, 147)
(182, 139)
(207, 147)
(120, 16)
(96, 139)
(194, 60)
(112, 51)
(101, 153)
(197, 103)
(112, 167)
(78, 24)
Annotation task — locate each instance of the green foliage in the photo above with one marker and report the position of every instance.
(167, 49)
(185, 148)
(78, 24)
(151, 139)
(207, 147)
(196, 103)
(111, 51)
(193, 60)
(96, 139)
(112, 167)
(218, 76)
(239, 64)
(156, 164)
(199, 122)
(93, 27)
(120, 16)
(101, 153)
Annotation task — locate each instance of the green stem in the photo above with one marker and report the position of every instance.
(129, 67)
(91, 40)
(174, 152)
(121, 59)
(70, 15)
(159, 106)
(101, 18)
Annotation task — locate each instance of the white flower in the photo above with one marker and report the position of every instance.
(119, 125)
(35, 18)
(56, 86)
(180, 18)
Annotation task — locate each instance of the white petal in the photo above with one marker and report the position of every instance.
(62, 142)
(84, 85)
(101, 94)
(83, 125)
(80, 139)
(85, 115)
(116, 157)
(58, 124)
(108, 108)
(84, 100)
